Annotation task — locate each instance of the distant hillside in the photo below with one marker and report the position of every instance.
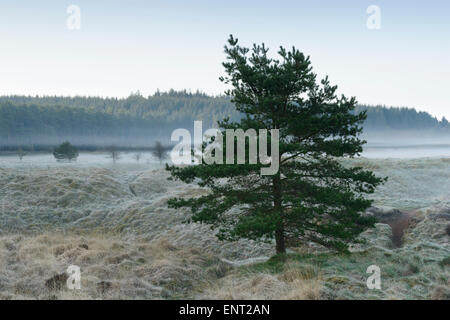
(92, 120)
(139, 120)
(382, 117)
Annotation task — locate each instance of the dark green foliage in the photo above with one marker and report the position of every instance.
(381, 117)
(44, 120)
(65, 151)
(312, 197)
(41, 120)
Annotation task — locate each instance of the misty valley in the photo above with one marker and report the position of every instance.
(109, 216)
(195, 153)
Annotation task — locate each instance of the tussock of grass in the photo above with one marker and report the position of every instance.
(111, 268)
(281, 277)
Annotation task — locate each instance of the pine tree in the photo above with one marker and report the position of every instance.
(65, 151)
(313, 197)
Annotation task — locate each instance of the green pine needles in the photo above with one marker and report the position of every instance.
(312, 197)
(65, 151)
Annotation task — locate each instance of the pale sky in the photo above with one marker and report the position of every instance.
(125, 46)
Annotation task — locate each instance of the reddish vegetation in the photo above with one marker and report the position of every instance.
(399, 226)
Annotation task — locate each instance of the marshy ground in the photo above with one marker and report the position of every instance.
(113, 222)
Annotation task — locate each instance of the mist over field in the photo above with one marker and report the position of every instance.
(330, 179)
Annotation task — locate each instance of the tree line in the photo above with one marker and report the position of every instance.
(382, 117)
(99, 121)
(50, 120)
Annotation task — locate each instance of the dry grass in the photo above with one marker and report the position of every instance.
(111, 268)
(184, 260)
(296, 282)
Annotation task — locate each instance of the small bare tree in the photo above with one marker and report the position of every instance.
(159, 151)
(21, 153)
(137, 156)
(113, 153)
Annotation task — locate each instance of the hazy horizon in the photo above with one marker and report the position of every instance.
(150, 45)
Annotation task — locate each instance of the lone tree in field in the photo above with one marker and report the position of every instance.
(313, 197)
(65, 151)
(159, 151)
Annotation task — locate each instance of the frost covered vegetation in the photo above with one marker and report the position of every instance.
(114, 223)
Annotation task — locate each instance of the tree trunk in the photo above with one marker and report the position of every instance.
(280, 243)
(279, 233)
